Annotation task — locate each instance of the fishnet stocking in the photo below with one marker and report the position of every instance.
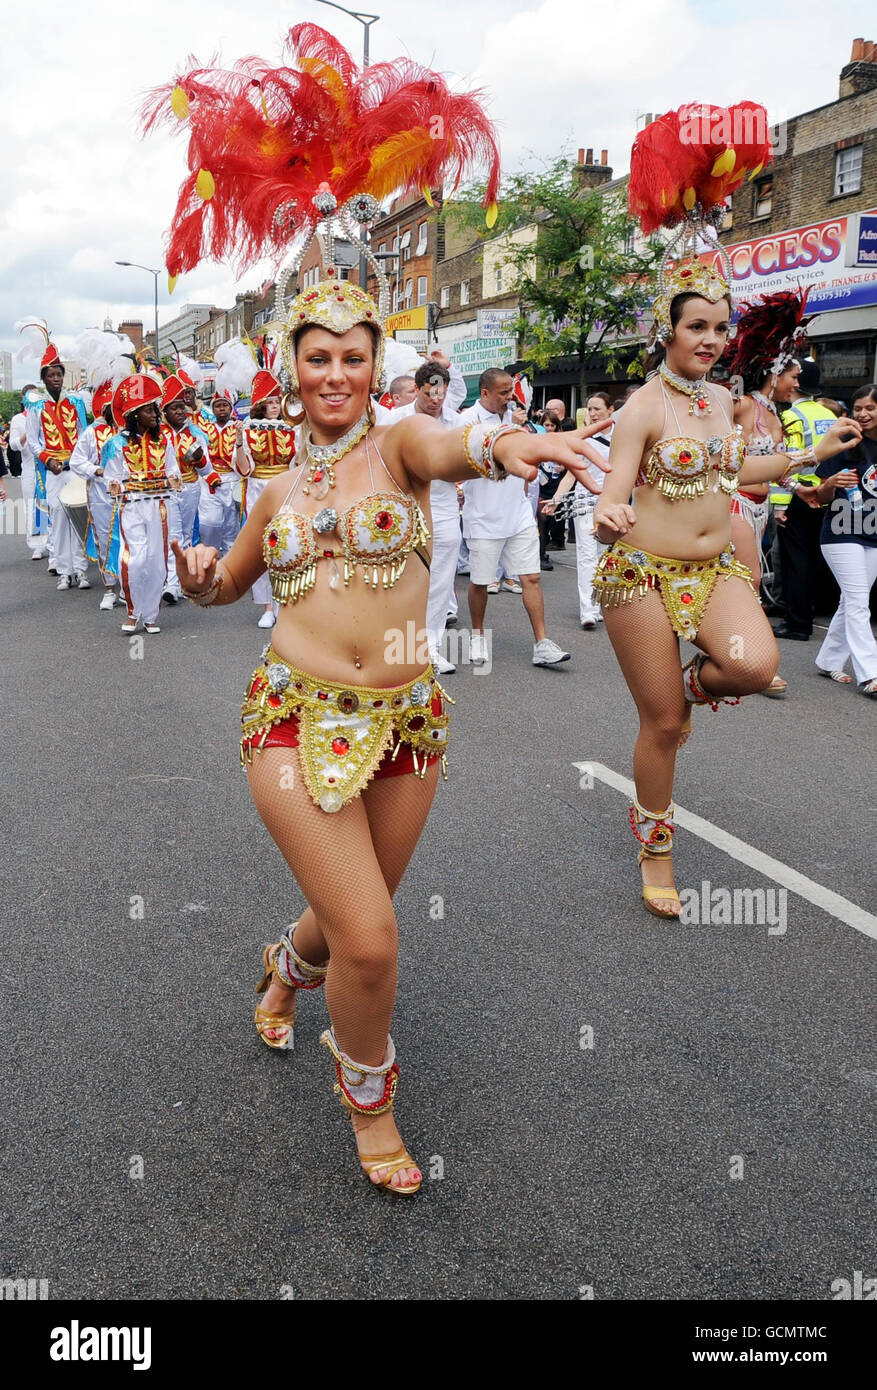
(348, 865)
(742, 659)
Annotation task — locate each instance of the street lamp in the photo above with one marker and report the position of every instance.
(156, 273)
(366, 20)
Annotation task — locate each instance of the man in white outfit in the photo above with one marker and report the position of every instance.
(86, 462)
(588, 548)
(441, 390)
(36, 540)
(53, 427)
(500, 528)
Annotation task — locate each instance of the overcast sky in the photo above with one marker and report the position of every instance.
(81, 190)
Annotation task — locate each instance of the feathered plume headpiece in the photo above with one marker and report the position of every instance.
(275, 151)
(682, 168)
(106, 357)
(37, 343)
(237, 365)
(771, 333)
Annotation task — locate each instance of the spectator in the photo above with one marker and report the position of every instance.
(403, 390)
(37, 543)
(551, 529)
(499, 527)
(588, 548)
(849, 545)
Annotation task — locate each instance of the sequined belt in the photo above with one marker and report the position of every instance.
(684, 585)
(147, 485)
(268, 470)
(344, 730)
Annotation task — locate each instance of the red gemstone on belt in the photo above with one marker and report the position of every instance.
(322, 695)
(275, 701)
(417, 722)
(630, 574)
(383, 521)
(340, 746)
(687, 598)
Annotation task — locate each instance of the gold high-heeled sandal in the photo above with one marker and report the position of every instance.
(384, 1093)
(658, 844)
(298, 974)
(276, 1022)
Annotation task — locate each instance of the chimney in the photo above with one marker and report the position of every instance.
(860, 73)
(588, 173)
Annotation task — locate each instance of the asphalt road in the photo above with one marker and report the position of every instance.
(561, 1159)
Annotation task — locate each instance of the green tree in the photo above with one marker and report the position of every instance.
(582, 284)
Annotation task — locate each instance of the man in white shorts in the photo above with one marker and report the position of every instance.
(499, 527)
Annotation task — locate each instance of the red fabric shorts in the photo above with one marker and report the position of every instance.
(284, 734)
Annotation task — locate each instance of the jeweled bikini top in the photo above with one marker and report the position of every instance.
(377, 533)
(679, 467)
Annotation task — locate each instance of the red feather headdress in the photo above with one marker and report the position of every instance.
(771, 331)
(275, 150)
(682, 168)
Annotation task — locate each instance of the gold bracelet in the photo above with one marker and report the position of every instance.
(205, 597)
(483, 468)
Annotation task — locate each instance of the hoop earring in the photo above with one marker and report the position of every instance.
(370, 411)
(287, 401)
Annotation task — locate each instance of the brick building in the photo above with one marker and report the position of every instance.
(810, 219)
(405, 240)
(313, 267)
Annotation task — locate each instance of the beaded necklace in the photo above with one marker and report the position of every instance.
(696, 390)
(323, 457)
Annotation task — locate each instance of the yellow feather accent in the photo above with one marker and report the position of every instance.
(427, 195)
(205, 185)
(757, 170)
(491, 214)
(725, 163)
(179, 103)
(398, 160)
(689, 198)
(171, 282)
(327, 76)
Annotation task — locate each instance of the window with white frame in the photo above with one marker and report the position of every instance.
(421, 289)
(420, 249)
(848, 170)
(382, 249)
(499, 279)
(409, 288)
(445, 296)
(405, 245)
(464, 292)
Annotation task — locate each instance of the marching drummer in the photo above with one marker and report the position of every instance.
(193, 457)
(141, 470)
(218, 511)
(54, 424)
(86, 462)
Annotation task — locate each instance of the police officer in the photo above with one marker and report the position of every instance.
(804, 422)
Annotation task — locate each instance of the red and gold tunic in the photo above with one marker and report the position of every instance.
(181, 441)
(60, 424)
(145, 459)
(221, 444)
(102, 432)
(271, 446)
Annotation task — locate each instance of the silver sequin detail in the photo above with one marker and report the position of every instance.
(714, 444)
(326, 519)
(725, 558)
(419, 693)
(637, 557)
(278, 675)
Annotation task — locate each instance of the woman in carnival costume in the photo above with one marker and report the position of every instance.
(765, 358)
(343, 537)
(670, 571)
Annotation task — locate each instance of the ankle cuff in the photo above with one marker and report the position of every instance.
(694, 691)
(292, 969)
(368, 1090)
(653, 829)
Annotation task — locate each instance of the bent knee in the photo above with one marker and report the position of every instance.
(754, 676)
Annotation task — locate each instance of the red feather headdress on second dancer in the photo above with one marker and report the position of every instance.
(682, 168)
(771, 334)
(278, 154)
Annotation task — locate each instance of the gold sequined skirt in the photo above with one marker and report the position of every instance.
(345, 734)
(624, 572)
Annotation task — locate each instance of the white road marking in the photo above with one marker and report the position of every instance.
(825, 898)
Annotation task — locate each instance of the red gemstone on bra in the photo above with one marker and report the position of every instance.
(685, 457)
(273, 538)
(275, 701)
(687, 598)
(340, 746)
(383, 521)
(327, 554)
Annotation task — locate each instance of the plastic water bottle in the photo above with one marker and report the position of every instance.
(854, 495)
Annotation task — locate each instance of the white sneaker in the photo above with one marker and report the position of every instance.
(83, 582)
(443, 667)
(493, 588)
(65, 582)
(38, 554)
(267, 620)
(589, 624)
(108, 601)
(170, 596)
(130, 625)
(478, 649)
(151, 627)
(548, 653)
(511, 586)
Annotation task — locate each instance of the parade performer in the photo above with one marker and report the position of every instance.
(343, 539)
(141, 471)
(764, 357)
(218, 519)
(54, 425)
(190, 374)
(670, 571)
(265, 449)
(107, 358)
(193, 457)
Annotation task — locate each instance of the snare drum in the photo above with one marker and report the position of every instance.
(74, 499)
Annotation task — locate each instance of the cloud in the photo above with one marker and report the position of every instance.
(82, 190)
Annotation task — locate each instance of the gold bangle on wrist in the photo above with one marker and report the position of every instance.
(481, 468)
(205, 597)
